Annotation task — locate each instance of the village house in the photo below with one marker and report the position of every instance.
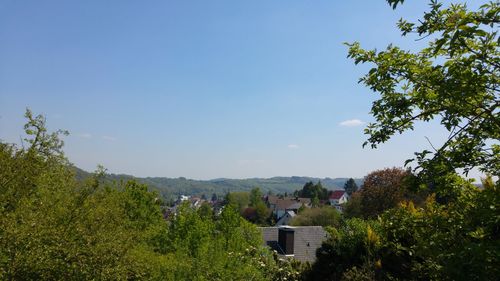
(286, 218)
(280, 205)
(337, 198)
(298, 242)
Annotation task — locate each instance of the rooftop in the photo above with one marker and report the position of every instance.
(307, 239)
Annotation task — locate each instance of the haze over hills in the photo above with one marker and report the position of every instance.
(170, 188)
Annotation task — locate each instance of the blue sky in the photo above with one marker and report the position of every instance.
(202, 89)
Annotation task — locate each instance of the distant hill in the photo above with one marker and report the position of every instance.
(172, 187)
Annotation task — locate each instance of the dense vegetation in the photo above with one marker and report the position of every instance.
(171, 188)
(454, 234)
(53, 227)
(428, 223)
(454, 241)
(313, 191)
(250, 205)
(323, 216)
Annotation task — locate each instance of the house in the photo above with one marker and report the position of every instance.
(280, 205)
(195, 202)
(286, 218)
(337, 198)
(299, 242)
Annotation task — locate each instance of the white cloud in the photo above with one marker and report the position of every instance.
(351, 123)
(293, 146)
(108, 138)
(85, 135)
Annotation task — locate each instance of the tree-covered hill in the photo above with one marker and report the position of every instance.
(172, 187)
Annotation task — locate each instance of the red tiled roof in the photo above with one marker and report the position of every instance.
(337, 194)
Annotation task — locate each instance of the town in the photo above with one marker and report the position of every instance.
(250, 140)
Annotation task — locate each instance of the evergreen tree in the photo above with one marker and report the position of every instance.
(350, 186)
(214, 197)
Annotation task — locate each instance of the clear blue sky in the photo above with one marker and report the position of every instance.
(202, 89)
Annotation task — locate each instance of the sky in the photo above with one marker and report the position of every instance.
(203, 89)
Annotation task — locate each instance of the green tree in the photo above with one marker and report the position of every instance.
(311, 190)
(206, 210)
(352, 244)
(350, 186)
(53, 227)
(238, 200)
(324, 216)
(353, 209)
(454, 79)
(257, 211)
(454, 241)
(315, 202)
(255, 197)
(226, 248)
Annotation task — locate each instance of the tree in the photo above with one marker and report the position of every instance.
(455, 79)
(255, 197)
(53, 227)
(238, 200)
(352, 209)
(382, 190)
(350, 186)
(206, 210)
(315, 202)
(324, 216)
(311, 190)
(257, 212)
(349, 245)
(455, 241)
(214, 197)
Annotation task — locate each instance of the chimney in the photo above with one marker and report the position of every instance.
(285, 240)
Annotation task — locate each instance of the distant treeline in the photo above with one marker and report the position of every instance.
(170, 188)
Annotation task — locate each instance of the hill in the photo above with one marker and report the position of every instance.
(172, 187)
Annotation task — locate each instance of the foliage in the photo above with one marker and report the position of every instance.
(348, 246)
(170, 188)
(352, 209)
(214, 197)
(382, 190)
(250, 205)
(283, 269)
(364, 273)
(311, 190)
(259, 215)
(255, 197)
(454, 241)
(237, 200)
(213, 249)
(350, 186)
(324, 216)
(53, 227)
(206, 210)
(455, 79)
